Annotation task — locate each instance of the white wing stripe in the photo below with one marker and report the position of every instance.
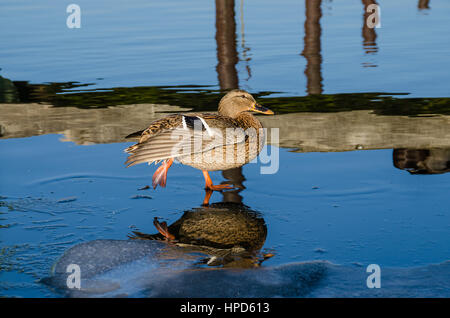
(210, 133)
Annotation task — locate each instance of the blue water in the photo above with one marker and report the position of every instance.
(357, 209)
(348, 208)
(145, 43)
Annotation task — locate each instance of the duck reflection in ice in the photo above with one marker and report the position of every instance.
(231, 234)
(422, 161)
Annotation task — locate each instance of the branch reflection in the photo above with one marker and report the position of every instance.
(312, 47)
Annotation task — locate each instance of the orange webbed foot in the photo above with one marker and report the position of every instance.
(219, 187)
(214, 187)
(160, 175)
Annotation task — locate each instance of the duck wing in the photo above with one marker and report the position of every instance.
(179, 135)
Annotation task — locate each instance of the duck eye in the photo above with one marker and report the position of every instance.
(243, 96)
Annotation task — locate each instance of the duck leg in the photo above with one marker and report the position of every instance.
(160, 175)
(210, 186)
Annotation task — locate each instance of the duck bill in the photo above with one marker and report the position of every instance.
(260, 109)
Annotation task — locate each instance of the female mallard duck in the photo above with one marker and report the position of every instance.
(205, 141)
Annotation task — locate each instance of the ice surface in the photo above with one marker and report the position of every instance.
(158, 269)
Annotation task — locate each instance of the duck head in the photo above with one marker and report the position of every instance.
(238, 101)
